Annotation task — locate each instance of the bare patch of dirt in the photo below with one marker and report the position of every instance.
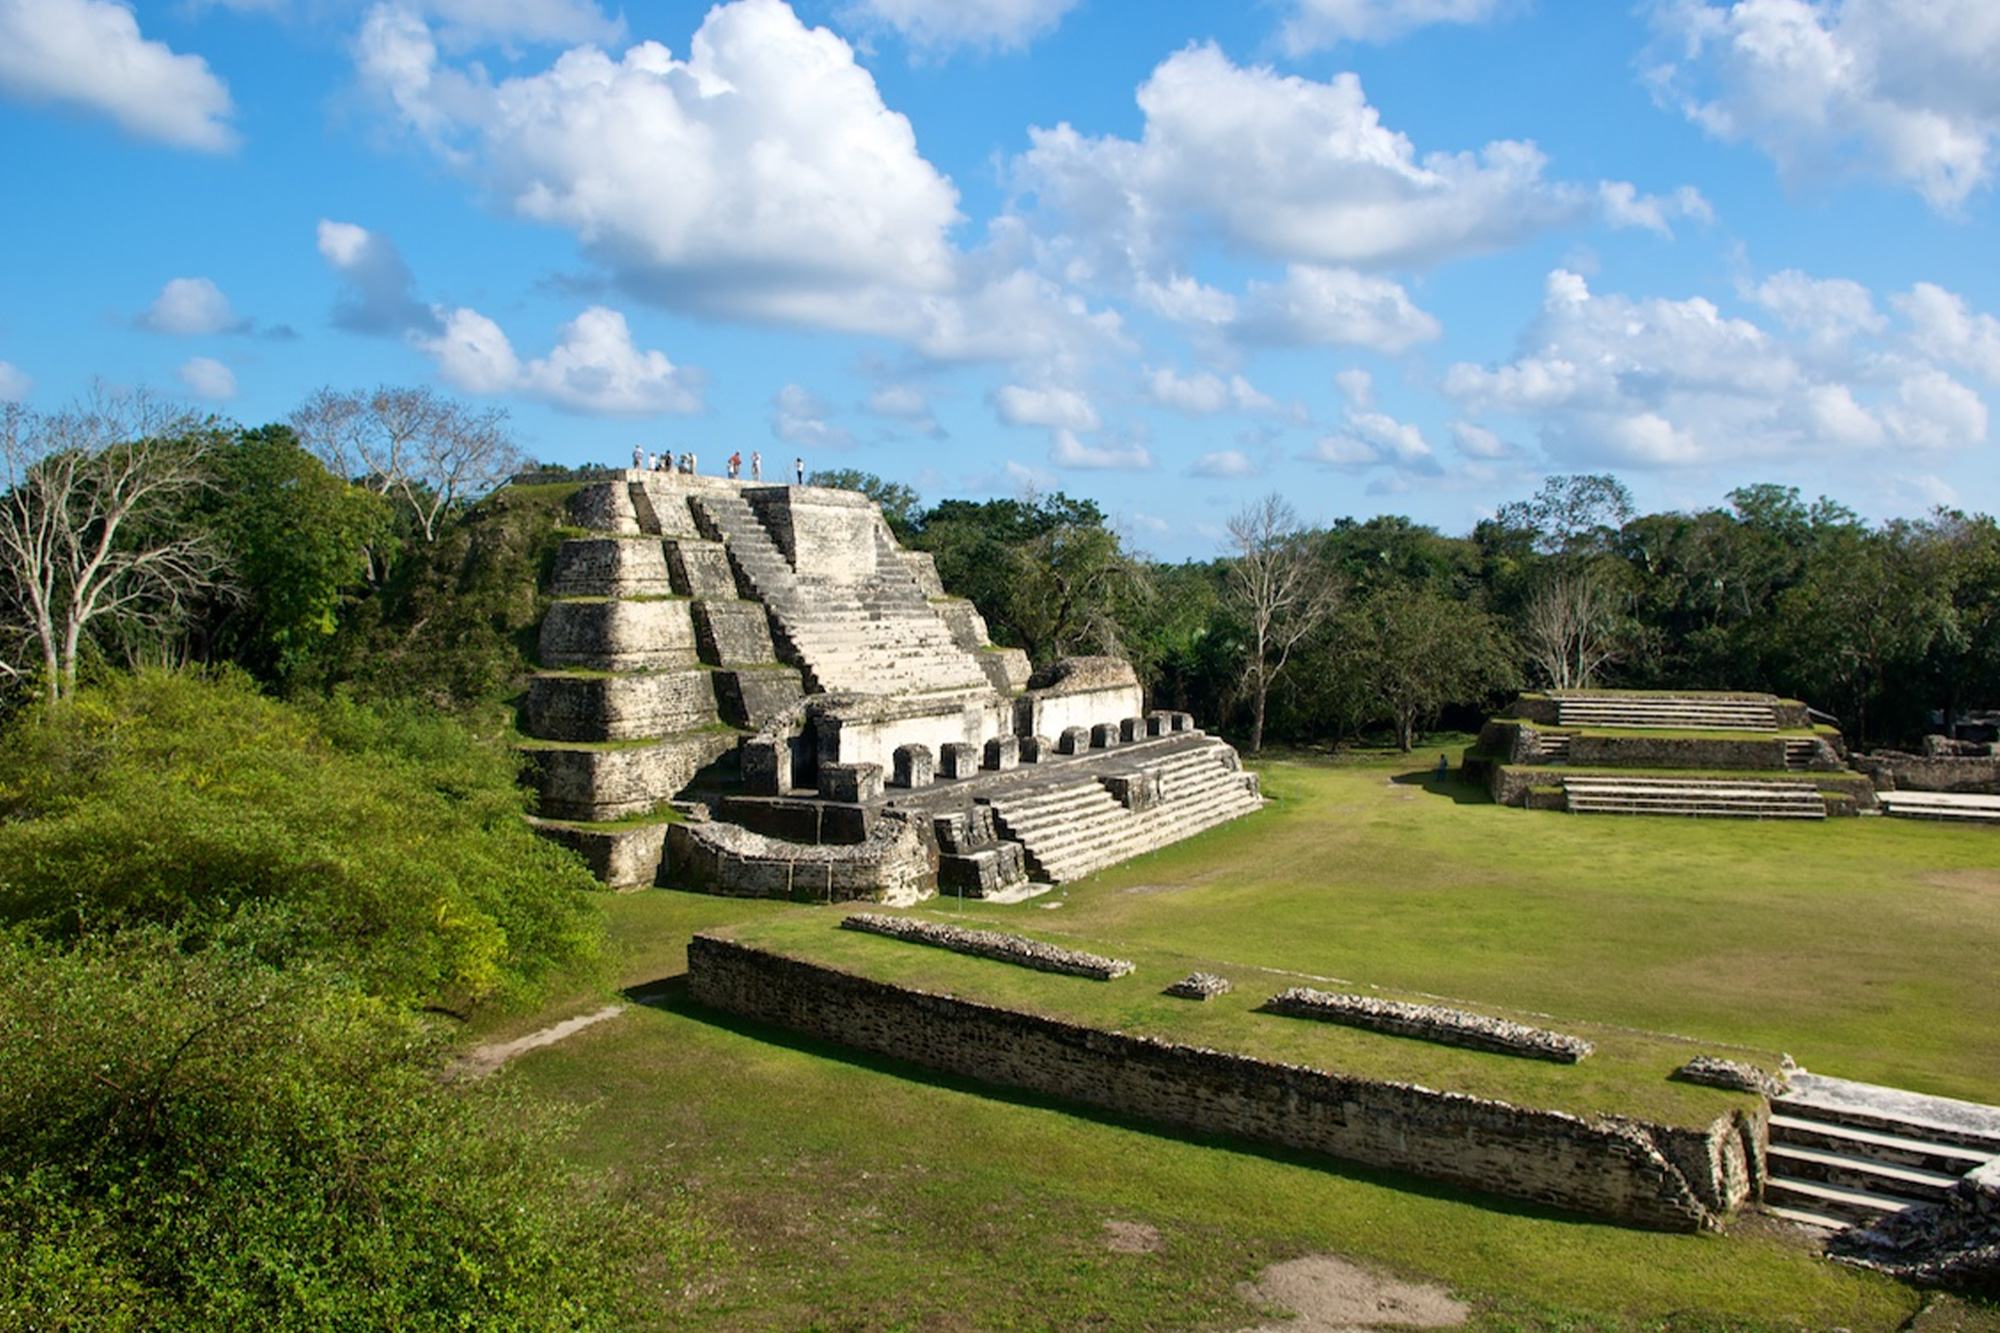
(1131, 1237)
(1332, 1295)
(1979, 881)
(481, 1061)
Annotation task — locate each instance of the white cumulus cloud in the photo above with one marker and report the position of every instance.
(205, 377)
(1287, 168)
(1068, 451)
(90, 55)
(1900, 90)
(14, 383)
(1052, 406)
(379, 293)
(1225, 465)
(1204, 394)
(594, 368)
(799, 418)
(191, 307)
(940, 26)
(1314, 25)
(1611, 380)
(1332, 307)
(759, 178)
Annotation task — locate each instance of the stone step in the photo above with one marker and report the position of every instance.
(1852, 1141)
(1792, 1161)
(1806, 1217)
(1894, 1111)
(1082, 828)
(1839, 1202)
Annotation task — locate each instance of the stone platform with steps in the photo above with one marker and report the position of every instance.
(770, 661)
(1957, 807)
(1844, 1154)
(1710, 755)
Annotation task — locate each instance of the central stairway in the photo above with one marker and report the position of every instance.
(1845, 1154)
(1702, 797)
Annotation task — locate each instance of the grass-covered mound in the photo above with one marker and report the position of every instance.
(387, 841)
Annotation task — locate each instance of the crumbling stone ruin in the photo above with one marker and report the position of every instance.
(1707, 753)
(752, 689)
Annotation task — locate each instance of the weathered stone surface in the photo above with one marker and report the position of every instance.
(1104, 736)
(732, 633)
(661, 501)
(1078, 692)
(957, 759)
(605, 507)
(1073, 740)
(1430, 1022)
(599, 784)
(753, 696)
(915, 766)
(1131, 729)
(618, 635)
(612, 708)
(621, 858)
(850, 782)
(1007, 668)
(1605, 1167)
(995, 944)
(962, 618)
(1137, 791)
(1002, 753)
(766, 766)
(1203, 986)
(892, 866)
(700, 569)
(825, 534)
(983, 873)
(1034, 749)
(923, 568)
(611, 567)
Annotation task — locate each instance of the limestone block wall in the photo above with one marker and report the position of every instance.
(621, 858)
(611, 567)
(605, 507)
(615, 708)
(1639, 751)
(582, 782)
(863, 731)
(660, 499)
(618, 634)
(1627, 1171)
(1052, 712)
(1896, 771)
(732, 633)
(892, 865)
(825, 534)
(700, 568)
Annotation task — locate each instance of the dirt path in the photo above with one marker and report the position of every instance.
(481, 1061)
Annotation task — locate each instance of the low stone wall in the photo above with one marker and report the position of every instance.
(616, 708)
(1893, 770)
(1430, 1022)
(995, 944)
(1662, 1177)
(892, 865)
(599, 784)
(621, 858)
(1735, 754)
(619, 634)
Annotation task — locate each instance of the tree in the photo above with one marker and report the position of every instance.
(1571, 627)
(85, 530)
(1283, 590)
(430, 453)
(1579, 512)
(1415, 651)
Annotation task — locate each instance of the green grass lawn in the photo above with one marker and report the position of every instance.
(847, 1192)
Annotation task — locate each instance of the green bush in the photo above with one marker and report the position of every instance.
(195, 1140)
(386, 840)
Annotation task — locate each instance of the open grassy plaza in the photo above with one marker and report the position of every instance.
(831, 1190)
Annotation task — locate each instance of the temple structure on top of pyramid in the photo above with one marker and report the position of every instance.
(752, 689)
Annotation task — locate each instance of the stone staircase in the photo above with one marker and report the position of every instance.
(1730, 798)
(1959, 807)
(1553, 746)
(1844, 1154)
(1707, 713)
(1073, 828)
(1799, 753)
(881, 637)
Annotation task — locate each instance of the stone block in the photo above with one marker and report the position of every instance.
(1104, 736)
(766, 766)
(610, 567)
(617, 634)
(563, 707)
(733, 633)
(964, 831)
(985, 872)
(850, 782)
(587, 783)
(621, 858)
(1074, 740)
(923, 568)
(915, 766)
(1002, 753)
(1131, 729)
(606, 506)
(1034, 749)
(1137, 790)
(1159, 724)
(958, 759)
(753, 696)
(700, 569)
(967, 626)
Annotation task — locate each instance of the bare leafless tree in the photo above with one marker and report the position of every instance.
(428, 452)
(1571, 629)
(86, 530)
(1283, 590)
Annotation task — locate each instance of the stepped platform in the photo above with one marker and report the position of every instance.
(1710, 755)
(1846, 1154)
(767, 662)
(1958, 807)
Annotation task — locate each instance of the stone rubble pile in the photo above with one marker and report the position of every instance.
(1715, 1072)
(1429, 1022)
(1955, 1244)
(994, 944)
(1199, 986)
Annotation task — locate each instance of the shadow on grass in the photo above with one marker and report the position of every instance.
(670, 995)
(1457, 790)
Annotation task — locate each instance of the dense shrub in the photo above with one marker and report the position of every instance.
(385, 840)
(196, 1140)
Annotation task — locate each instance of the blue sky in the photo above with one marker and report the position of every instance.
(1380, 256)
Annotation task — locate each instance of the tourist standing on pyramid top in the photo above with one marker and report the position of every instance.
(736, 465)
(799, 470)
(756, 466)
(638, 455)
